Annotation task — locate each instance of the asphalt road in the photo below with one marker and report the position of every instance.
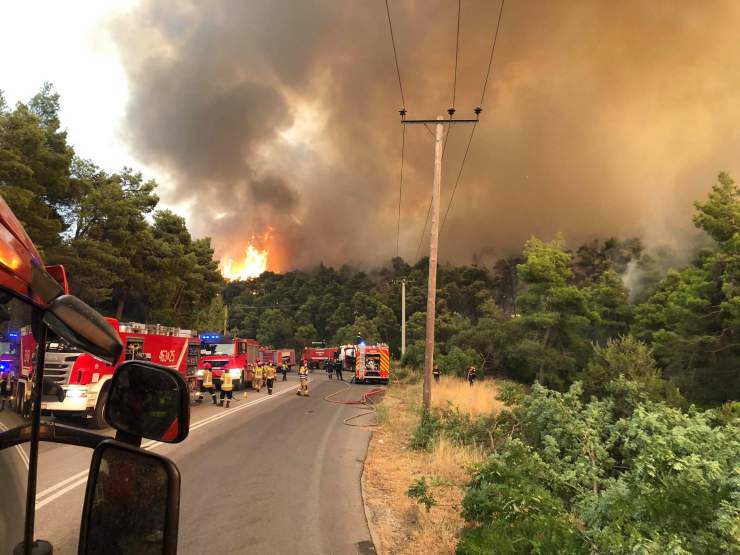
(278, 474)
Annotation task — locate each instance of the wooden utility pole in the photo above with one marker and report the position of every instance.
(403, 317)
(432, 281)
(434, 240)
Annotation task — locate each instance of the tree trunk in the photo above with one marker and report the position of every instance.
(541, 371)
(121, 304)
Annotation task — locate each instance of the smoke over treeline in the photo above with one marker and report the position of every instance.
(601, 118)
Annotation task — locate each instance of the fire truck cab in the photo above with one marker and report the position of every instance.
(86, 379)
(368, 363)
(268, 355)
(318, 354)
(223, 353)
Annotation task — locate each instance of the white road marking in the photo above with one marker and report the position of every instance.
(18, 448)
(47, 496)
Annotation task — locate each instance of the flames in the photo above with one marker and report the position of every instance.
(254, 262)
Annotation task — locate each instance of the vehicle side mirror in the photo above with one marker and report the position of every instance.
(132, 502)
(149, 400)
(83, 327)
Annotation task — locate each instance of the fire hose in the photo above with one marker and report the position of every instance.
(364, 401)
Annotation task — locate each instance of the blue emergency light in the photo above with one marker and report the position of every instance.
(13, 334)
(210, 337)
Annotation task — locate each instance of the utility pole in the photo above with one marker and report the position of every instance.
(432, 281)
(403, 318)
(226, 318)
(434, 241)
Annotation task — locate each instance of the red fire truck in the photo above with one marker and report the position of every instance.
(85, 378)
(276, 356)
(366, 362)
(9, 355)
(223, 353)
(319, 353)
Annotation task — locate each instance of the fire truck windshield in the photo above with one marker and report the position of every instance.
(6, 348)
(220, 348)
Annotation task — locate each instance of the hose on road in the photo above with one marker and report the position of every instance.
(364, 401)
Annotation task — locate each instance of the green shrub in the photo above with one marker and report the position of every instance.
(509, 392)
(421, 491)
(426, 431)
(512, 510)
(457, 361)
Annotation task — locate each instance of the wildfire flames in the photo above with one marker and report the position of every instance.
(254, 263)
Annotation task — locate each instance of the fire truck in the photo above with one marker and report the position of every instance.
(319, 353)
(9, 355)
(366, 362)
(85, 378)
(236, 355)
(276, 356)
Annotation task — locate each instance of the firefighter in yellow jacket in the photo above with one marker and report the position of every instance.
(270, 377)
(207, 384)
(227, 388)
(303, 378)
(257, 379)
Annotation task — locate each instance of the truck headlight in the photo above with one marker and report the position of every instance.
(76, 393)
(235, 372)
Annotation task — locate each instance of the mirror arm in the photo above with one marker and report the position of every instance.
(53, 433)
(126, 437)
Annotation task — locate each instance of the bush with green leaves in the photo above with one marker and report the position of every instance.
(457, 361)
(581, 478)
(511, 507)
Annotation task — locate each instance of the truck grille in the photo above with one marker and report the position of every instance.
(57, 369)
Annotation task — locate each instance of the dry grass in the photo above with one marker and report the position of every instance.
(475, 400)
(402, 526)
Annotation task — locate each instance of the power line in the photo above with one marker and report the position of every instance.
(493, 49)
(457, 47)
(457, 181)
(395, 54)
(451, 111)
(400, 189)
(480, 107)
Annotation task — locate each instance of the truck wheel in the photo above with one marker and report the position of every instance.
(20, 393)
(98, 420)
(237, 385)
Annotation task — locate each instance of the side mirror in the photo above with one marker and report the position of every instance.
(132, 502)
(149, 400)
(83, 327)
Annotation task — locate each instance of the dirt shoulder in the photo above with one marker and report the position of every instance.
(399, 524)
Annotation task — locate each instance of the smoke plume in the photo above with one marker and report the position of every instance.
(601, 118)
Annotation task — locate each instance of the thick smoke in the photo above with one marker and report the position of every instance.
(600, 118)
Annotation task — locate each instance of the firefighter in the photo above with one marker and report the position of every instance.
(471, 375)
(264, 373)
(338, 369)
(328, 367)
(227, 388)
(257, 379)
(284, 370)
(207, 384)
(436, 373)
(270, 378)
(303, 377)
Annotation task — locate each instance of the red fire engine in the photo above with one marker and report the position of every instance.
(9, 355)
(367, 362)
(85, 378)
(233, 354)
(319, 353)
(276, 356)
